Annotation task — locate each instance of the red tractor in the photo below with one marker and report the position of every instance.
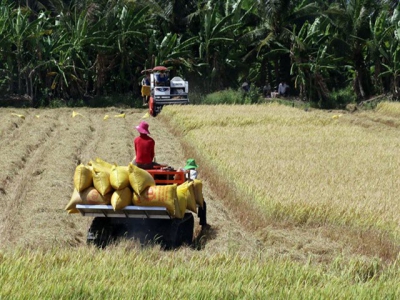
(143, 223)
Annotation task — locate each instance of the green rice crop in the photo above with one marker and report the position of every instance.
(125, 273)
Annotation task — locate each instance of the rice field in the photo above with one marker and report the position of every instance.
(311, 167)
(120, 273)
(302, 204)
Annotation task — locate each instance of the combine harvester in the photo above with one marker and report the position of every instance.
(164, 91)
(143, 223)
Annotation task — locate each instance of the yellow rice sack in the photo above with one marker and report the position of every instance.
(182, 202)
(75, 199)
(160, 195)
(145, 90)
(100, 164)
(103, 163)
(119, 177)
(83, 177)
(101, 181)
(121, 198)
(139, 179)
(89, 196)
(93, 197)
(186, 191)
(198, 192)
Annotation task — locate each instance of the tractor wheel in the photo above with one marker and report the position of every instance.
(154, 108)
(182, 231)
(157, 109)
(100, 232)
(187, 229)
(151, 107)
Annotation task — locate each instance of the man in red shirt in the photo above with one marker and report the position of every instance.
(144, 148)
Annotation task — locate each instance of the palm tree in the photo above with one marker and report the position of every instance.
(390, 52)
(216, 37)
(274, 33)
(351, 19)
(172, 15)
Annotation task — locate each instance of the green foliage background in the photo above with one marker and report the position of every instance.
(330, 52)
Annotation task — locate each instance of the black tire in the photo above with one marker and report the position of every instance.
(181, 231)
(186, 230)
(100, 232)
(157, 110)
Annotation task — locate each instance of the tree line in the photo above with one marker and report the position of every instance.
(330, 52)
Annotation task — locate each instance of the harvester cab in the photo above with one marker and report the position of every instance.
(166, 91)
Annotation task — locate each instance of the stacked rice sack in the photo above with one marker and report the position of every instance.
(100, 182)
(91, 185)
(119, 180)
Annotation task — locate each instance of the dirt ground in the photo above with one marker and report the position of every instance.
(39, 152)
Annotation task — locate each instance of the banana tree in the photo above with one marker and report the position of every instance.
(274, 33)
(172, 16)
(174, 51)
(127, 25)
(20, 46)
(6, 62)
(41, 5)
(70, 60)
(392, 65)
(216, 43)
(379, 47)
(311, 62)
(351, 19)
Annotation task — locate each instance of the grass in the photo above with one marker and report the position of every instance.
(389, 108)
(230, 96)
(311, 167)
(123, 101)
(126, 272)
(302, 205)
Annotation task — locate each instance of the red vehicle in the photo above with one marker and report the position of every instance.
(146, 224)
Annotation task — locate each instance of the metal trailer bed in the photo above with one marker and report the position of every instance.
(143, 212)
(144, 224)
